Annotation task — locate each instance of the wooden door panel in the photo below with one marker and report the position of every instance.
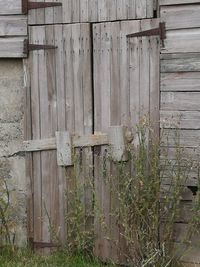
(126, 88)
(60, 99)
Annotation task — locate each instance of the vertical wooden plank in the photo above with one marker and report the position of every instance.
(84, 10)
(144, 77)
(49, 14)
(115, 94)
(70, 107)
(155, 83)
(93, 10)
(141, 9)
(78, 90)
(40, 14)
(87, 153)
(105, 123)
(150, 8)
(58, 12)
(115, 119)
(97, 121)
(112, 10)
(28, 136)
(44, 133)
(126, 28)
(51, 118)
(61, 120)
(132, 9)
(68, 76)
(35, 34)
(122, 10)
(102, 10)
(75, 10)
(134, 78)
(67, 11)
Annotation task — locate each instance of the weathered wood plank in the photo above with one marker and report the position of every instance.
(180, 17)
(180, 119)
(13, 26)
(29, 157)
(186, 138)
(177, 2)
(35, 123)
(191, 64)
(61, 109)
(12, 47)
(183, 81)
(182, 41)
(9, 7)
(180, 101)
(97, 139)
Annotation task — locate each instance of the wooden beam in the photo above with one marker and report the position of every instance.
(77, 141)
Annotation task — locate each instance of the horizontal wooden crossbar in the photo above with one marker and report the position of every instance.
(77, 141)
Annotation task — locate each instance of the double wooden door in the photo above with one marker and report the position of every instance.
(93, 78)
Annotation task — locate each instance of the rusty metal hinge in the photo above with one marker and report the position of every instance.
(160, 31)
(26, 5)
(38, 245)
(31, 47)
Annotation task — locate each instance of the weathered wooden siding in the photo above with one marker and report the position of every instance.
(93, 11)
(126, 87)
(180, 93)
(10, 7)
(13, 29)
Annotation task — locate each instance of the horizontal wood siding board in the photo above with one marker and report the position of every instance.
(191, 64)
(180, 81)
(180, 101)
(12, 47)
(181, 119)
(187, 138)
(182, 41)
(13, 25)
(177, 2)
(9, 7)
(180, 17)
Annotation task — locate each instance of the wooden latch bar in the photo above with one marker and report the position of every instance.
(31, 47)
(160, 31)
(26, 5)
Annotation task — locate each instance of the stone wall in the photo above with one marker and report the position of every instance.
(12, 167)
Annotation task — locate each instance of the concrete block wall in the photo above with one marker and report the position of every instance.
(12, 168)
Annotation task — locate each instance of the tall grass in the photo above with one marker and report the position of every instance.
(147, 206)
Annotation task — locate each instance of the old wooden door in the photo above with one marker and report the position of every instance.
(64, 95)
(126, 88)
(59, 98)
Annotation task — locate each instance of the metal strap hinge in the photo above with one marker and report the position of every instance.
(31, 47)
(160, 31)
(26, 5)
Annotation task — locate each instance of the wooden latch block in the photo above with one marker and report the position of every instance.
(64, 149)
(118, 143)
